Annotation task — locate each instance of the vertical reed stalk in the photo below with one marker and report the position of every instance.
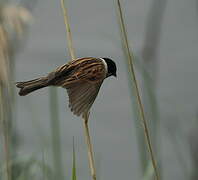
(134, 81)
(5, 136)
(74, 177)
(90, 149)
(43, 165)
(68, 30)
(86, 115)
(55, 129)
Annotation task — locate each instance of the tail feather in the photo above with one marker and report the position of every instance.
(30, 86)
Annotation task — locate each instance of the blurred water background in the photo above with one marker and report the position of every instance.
(163, 36)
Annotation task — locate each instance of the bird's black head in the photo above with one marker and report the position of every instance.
(111, 66)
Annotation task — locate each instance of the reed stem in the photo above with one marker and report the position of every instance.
(68, 30)
(86, 115)
(5, 136)
(74, 162)
(90, 149)
(55, 129)
(137, 93)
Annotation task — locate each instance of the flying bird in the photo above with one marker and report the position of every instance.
(81, 77)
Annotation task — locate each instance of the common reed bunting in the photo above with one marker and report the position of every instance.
(82, 78)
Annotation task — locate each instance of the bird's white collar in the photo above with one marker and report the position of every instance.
(105, 64)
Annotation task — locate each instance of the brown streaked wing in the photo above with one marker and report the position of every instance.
(89, 68)
(92, 71)
(82, 78)
(71, 65)
(82, 96)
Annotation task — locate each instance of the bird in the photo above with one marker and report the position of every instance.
(82, 78)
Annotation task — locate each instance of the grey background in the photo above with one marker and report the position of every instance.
(96, 33)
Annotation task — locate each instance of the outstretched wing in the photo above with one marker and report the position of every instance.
(82, 78)
(82, 96)
(84, 84)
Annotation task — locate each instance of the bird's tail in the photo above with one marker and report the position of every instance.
(30, 86)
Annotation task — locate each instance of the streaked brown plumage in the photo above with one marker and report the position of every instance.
(81, 77)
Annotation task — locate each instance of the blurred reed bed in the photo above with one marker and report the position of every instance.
(86, 115)
(134, 88)
(29, 167)
(150, 74)
(13, 22)
(4, 85)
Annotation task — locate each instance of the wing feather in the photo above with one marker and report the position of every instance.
(82, 96)
(82, 78)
